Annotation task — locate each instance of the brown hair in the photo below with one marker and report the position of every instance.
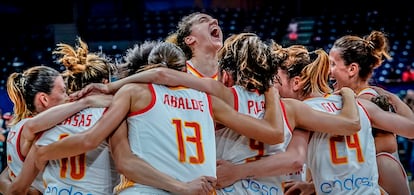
(368, 52)
(249, 61)
(183, 30)
(311, 67)
(83, 67)
(166, 54)
(23, 87)
(137, 57)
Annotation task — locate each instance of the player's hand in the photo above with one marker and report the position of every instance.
(39, 162)
(298, 188)
(203, 185)
(99, 100)
(93, 88)
(345, 91)
(226, 175)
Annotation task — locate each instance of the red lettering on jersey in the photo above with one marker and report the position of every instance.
(82, 120)
(330, 107)
(75, 120)
(10, 136)
(173, 101)
(166, 99)
(195, 104)
(88, 120)
(183, 103)
(188, 105)
(255, 107)
(79, 120)
(334, 106)
(67, 121)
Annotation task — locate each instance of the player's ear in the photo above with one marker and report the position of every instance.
(226, 78)
(41, 100)
(189, 40)
(296, 84)
(353, 69)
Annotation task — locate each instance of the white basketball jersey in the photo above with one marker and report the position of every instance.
(15, 158)
(368, 91)
(90, 173)
(238, 149)
(395, 155)
(175, 134)
(342, 164)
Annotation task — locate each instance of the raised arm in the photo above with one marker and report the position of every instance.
(126, 163)
(400, 107)
(389, 121)
(162, 76)
(348, 119)
(51, 117)
(82, 142)
(286, 162)
(268, 130)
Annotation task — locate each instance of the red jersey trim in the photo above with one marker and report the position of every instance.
(150, 105)
(236, 99)
(282, 105)
(19, 151)
(210, 104)
(363, 108)
(198, 74)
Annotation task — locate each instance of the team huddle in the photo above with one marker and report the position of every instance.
(195, 115)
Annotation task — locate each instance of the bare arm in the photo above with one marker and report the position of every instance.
(4, 180)
(162, 76)
(57, 114)
(268, 130)
(400, 107)
(282, 163)
(389, 121)
(82, 142)
(126, 163)
(348, 119)
(23, 181)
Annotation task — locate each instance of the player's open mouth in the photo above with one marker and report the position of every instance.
(215, 33)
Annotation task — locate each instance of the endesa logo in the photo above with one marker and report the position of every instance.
(349, 184)
(253, 187)
(60, 190)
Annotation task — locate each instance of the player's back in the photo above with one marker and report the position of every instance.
(15, 158)
(237, 148)
(342, 164)
(91, 172)
(175, 133)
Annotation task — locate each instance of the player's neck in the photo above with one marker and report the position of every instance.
(207, 67)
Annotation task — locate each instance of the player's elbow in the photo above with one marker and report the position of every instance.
(280, 137)
(89, 143)
(120, 167)
(297, 165)
(30, 127)
(276, 137)
(123, 166)
(161, 76)
(353, 127)
(297, 162)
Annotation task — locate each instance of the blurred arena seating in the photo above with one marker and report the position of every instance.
(112, 33)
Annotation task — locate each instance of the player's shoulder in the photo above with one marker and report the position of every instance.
(133, 87)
